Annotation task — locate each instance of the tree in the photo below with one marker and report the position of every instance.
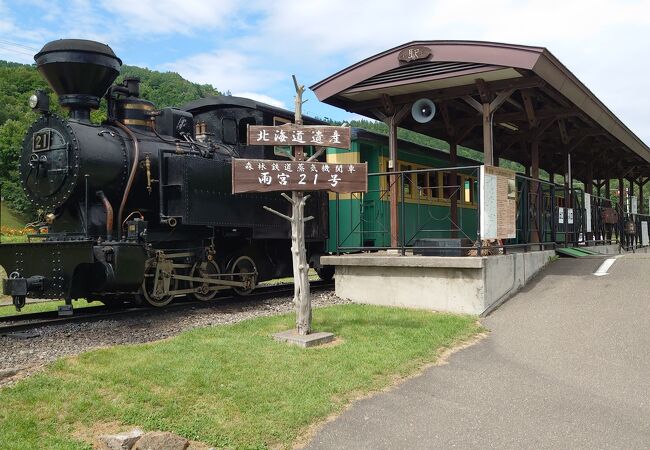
(19, 81)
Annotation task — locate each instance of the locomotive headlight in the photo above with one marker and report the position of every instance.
(40, 102)
(33, 101)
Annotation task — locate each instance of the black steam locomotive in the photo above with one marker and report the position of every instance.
(140, 207)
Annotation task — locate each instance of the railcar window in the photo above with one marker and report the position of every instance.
(422, 185)
(229, 131)
(469, 191)
(407, 179)
(446, 183)
(434, 184)
(387, 169)
(243, 128)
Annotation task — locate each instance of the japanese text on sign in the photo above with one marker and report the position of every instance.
(290, 134)
(259, 175)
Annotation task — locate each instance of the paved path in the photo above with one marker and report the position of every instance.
(567, 365)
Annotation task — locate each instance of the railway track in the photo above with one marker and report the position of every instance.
(19, 324)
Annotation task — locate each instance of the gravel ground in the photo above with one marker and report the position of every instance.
(22, 357)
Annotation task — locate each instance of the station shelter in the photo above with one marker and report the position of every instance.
(520, 108)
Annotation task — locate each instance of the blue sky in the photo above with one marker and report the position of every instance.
(251, 48)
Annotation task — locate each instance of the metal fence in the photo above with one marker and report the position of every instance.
(548, 215)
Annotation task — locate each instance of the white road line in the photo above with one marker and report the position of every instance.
(604, 267)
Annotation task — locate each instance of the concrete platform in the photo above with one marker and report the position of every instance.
(309, 340)
(468, 285)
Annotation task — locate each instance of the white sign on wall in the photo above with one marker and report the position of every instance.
(588, 213)
(498, 203)
(633, 205)
(569, 216)
(644, 233)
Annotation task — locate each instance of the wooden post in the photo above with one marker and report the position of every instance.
(487, 135)
(630, 193)
(567, 196)
(621, 193)
(453, 159)
(641, 205)
(394, 188)
(589, 189)
(302, 297)
(486, 108)
(534, 186)
(392, 116)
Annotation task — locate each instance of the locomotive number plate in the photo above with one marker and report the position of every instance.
(41, 141)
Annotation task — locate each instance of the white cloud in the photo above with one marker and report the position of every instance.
(226, 70)
(593, 38)
(254, 46)
(171, 16)
(262, 98)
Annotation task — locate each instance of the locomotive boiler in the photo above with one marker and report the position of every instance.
(140, 207)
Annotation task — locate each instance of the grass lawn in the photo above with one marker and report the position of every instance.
(4, 239)
(10, 219)
(43, 306)
(229, 386)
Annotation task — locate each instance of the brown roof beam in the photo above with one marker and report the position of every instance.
(564, 137)
(587, 132)
(447, 119)
(452, 92)
(530, 110)
(557, 113)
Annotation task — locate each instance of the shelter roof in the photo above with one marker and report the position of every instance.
(540, 100)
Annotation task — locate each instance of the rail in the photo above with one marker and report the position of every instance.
(11, 325)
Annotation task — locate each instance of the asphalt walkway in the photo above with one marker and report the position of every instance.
(566, 365)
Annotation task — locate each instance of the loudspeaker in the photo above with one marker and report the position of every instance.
(423, 110)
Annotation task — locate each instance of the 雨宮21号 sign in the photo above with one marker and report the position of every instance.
(263, 175)
(291, 134)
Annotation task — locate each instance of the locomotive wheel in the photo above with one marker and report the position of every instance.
(204, 294)
(325, 273)
(244, 265)
(146, 291)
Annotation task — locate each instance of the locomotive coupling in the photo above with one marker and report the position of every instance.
(18, 287)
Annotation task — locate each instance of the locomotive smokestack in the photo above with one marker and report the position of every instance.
(79, 71)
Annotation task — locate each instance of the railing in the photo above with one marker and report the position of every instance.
(425, 199)
(548, 215)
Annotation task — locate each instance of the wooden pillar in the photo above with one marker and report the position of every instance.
(488, 105)
(567, 196)
(630, 193)
(392, 116)
(589, 189)
(394, 191)
(534, 186)
(641, 205)
(453, 157)
(488, 151)
(621, 193)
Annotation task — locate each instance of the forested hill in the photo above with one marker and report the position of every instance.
(412, 136)
(19, 81)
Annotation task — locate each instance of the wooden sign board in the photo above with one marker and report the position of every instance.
(267, 175)
(498, 203)
(414, 53)
(291, 134)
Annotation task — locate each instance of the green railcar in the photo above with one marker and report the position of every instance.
(424, 196)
